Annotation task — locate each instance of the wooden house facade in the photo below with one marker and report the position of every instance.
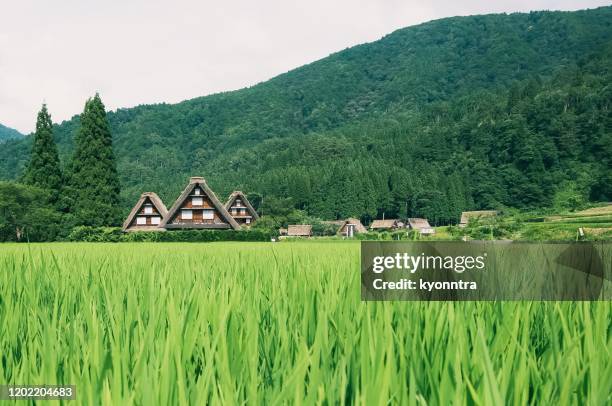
(147, 214)
(241, 209)
(198, 208)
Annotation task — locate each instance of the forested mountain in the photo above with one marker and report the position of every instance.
(467, 112)
(7, 133)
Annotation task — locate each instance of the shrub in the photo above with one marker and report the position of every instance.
(324, 229)
(95, 234)
(114, 234)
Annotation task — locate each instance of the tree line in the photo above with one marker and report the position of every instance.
(50, 198)
(541, 143)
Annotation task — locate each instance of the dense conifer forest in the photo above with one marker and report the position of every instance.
(461, 113)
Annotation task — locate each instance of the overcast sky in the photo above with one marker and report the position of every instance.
(148, 51)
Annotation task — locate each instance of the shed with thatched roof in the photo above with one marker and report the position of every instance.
(386, 225)
(299, 230)
(147, 214)
(466, 216)
(241, 209)
(350, 227)
(198, 208)
(421, 225)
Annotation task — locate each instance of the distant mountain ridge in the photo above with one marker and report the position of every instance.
(7, 133)
(365, 119)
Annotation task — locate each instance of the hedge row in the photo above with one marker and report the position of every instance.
(114, 234)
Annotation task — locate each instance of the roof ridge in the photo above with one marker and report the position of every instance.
(200, 181)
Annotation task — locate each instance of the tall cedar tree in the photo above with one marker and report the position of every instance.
(94, 181)
(44, 169)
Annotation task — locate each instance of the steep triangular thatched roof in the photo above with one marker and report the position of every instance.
(299, 230)
(238, 194)
(146, 196)
(193, 182)
(359, 228)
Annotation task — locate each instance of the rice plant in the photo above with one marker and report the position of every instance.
(261, 323)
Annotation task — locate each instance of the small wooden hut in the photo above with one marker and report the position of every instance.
(198, 208)
(386, 225)
(350, 227)
(421, 225)
(299, 230)
(241, 209)
(147, 214)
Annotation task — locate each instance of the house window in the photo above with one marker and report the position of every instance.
(248, 221)
(155, 220)
(234, 212)
(197, 201)
(208, 214)
(238, 202)
(242, 212)
(186, 214)
(141, 221)
(148, 209)
(196, 191)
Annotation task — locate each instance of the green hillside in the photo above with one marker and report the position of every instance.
(7, 133)
(467, 112)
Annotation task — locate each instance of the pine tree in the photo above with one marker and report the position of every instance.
(94, 180)
(44, 169)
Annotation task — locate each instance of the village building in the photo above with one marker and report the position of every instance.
(386, 225)
(421, 225)
(299, 230)
(466, 216)
(241, 209)
(147, 214)
(350, 227)
(198, 208)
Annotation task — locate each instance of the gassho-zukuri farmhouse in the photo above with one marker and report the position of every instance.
(196, 208)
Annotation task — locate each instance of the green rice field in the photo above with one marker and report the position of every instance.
(278, 323)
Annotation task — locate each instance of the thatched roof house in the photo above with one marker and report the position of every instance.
(299, 230)
(147, 214)
(350, 227)
(421, 225)
(241, 209)
(198, 208)
(390, 224)
(466, 216)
